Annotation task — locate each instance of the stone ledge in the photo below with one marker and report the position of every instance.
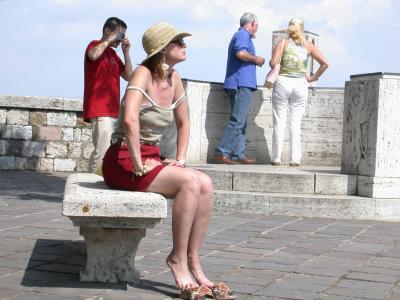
(47, 103)
(86, 195)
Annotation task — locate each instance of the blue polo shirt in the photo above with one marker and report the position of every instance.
(240, 73)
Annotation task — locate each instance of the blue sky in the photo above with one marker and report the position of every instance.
(43, 41)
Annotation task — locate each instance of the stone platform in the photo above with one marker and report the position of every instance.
(306, 191)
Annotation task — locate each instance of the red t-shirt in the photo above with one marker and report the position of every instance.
(101, 96)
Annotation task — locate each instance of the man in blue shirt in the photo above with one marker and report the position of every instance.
(240, 82)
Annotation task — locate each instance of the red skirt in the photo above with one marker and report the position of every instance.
(118, 167)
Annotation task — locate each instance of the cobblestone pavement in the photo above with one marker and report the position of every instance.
(259, 257)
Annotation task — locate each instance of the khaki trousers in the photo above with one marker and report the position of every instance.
(102, 128)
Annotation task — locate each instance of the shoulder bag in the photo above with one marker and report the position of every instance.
(274, 72)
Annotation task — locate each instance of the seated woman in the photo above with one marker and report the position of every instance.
(154, 98)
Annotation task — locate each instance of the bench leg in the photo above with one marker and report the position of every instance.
(111, 254)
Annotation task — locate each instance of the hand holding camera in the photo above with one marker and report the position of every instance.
(116, 37)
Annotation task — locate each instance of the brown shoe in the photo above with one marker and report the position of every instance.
(294, 164)
(275, 163)
(220, 159)
(245, 161)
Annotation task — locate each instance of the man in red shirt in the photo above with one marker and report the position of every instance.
(101, 99)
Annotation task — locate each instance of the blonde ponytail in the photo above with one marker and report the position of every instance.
(295, 33)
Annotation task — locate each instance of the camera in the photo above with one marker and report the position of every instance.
(120, 36)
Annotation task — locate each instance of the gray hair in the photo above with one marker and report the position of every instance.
(248, 17)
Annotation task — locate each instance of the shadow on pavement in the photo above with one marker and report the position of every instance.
(57, 264)
(159, 287)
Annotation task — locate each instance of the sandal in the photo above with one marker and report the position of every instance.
(199, 293)
(221, 291)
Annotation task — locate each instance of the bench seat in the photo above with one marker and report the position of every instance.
(112, 222)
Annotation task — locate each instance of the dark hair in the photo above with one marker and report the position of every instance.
(154, 64)
(113, 23)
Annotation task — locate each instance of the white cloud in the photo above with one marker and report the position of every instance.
(339, 15)
(134, 5)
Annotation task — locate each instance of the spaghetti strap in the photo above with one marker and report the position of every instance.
(133, 87)
(173, 105)
(179, 101)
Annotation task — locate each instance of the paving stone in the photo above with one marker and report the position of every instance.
(233, 255)
(42, 296)
(372, 277)
(8, 270)
(304, 282)
(377, 270)
(260, 257)
(286, 294)
(353, 293)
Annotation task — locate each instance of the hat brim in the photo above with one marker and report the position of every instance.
(178, 35)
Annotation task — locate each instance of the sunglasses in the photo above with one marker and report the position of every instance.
(179, 42)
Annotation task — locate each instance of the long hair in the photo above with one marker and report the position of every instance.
(295, 33)
(154, 64)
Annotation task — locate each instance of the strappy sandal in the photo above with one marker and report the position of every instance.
(221, 291)
(199, 293)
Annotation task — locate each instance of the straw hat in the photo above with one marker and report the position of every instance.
(158, 36)
(297, 21)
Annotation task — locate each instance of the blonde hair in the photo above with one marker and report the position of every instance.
(296, 34)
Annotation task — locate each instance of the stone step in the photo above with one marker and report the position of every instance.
(304, 205)
(283, 179)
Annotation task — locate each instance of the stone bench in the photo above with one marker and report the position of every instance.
(112, 222)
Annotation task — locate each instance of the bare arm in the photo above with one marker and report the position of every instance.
(99, 49)
(181, 114)
(247, 57)
(320, 58)
(133, 100)
(277, 53)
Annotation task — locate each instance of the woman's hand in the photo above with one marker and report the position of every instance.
(310, 79)
(173, 162)
(151, 164)
(148, 165)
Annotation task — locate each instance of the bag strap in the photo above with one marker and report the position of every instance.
(283, 46)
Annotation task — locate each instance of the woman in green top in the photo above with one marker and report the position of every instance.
(291, 88)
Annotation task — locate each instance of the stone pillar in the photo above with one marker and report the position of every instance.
(111, 254)
(371, 133)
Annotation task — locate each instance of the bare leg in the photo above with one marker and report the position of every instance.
(185, 187)
(199, 228)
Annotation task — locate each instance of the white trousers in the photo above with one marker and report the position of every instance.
(102, 128)
(292, 92)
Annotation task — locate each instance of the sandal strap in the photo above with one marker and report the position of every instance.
(222, 291)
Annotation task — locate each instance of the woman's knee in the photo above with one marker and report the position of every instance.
(190, 182)
(206, 184)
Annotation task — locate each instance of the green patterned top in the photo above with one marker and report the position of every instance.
(294, 60)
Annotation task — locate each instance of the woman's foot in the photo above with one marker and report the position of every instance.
(198, 273)
(181, 273)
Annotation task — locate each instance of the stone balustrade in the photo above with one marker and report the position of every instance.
(48, 134)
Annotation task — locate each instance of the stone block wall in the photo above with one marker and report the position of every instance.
(43, 134)
(48, 134)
